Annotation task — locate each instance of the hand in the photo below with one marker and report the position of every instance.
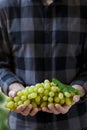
(22, 109)
(14, 88)
(58, 109)
(29, 110)
(79, 87)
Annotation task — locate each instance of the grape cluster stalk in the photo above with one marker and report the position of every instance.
(40, 95)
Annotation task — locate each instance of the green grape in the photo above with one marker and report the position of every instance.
(43, 104)
(67, 94)
(38, 85)
(54, 89)
(15, 105)
(8, 99)
(16, 99)
(72, 94)
(60, 95)
(62, 101)
(35, 90)
(46, 81)
(20, 103)
(47, 86)
(27, 88)
(68, 101)
(50, 99)
(26, 92)
(41, 95)
(32, 86)
(37, 100)
(27, 102)
(29, 96)
(51, 94)
(33, 95)
(45, 98)
(58, 89)
(41, 90)
(20, 93)
(10, 105)
(34, 104)
(46, 92)
(23, 98)
(53, 84)
(56, 100)
(31, 89)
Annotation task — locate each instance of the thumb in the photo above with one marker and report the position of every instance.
(12, 93)
(76, 98)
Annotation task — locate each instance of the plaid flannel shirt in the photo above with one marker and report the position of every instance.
(40, 42)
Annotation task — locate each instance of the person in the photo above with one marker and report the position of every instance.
(41, 40)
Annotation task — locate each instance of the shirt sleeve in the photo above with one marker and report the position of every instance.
(81, 79)
(7, 66)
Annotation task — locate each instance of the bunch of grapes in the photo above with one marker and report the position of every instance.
(40, 95)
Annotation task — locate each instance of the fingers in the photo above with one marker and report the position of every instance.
(20, 108)
(34, 111)
(53, 109)
(27, 110)
(57, 109)
(62, 109)
(46, 109)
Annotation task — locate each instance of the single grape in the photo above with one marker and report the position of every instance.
(67, 94)
(43, 104)
(34, 104)
(16, 99)
(23, 98)
(38, 85)
(37, 100)
(20, 103)
(56, 100)
(20, 93)
(47, 86)
(68, 101)
(45, 98)
(46, 92)
(15, 105)
(41, 90)
(62, 101)
(54, 89)
(31, 89)
(27, 102)
(33, 95)
(53, 84)
(46, 81)
(60, 95)
(50, 99)
(26, 92)
(11, 105)
(51, 94)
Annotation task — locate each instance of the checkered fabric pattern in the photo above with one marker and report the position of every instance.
(40, 42)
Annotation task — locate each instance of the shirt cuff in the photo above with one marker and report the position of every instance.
(10, 80)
